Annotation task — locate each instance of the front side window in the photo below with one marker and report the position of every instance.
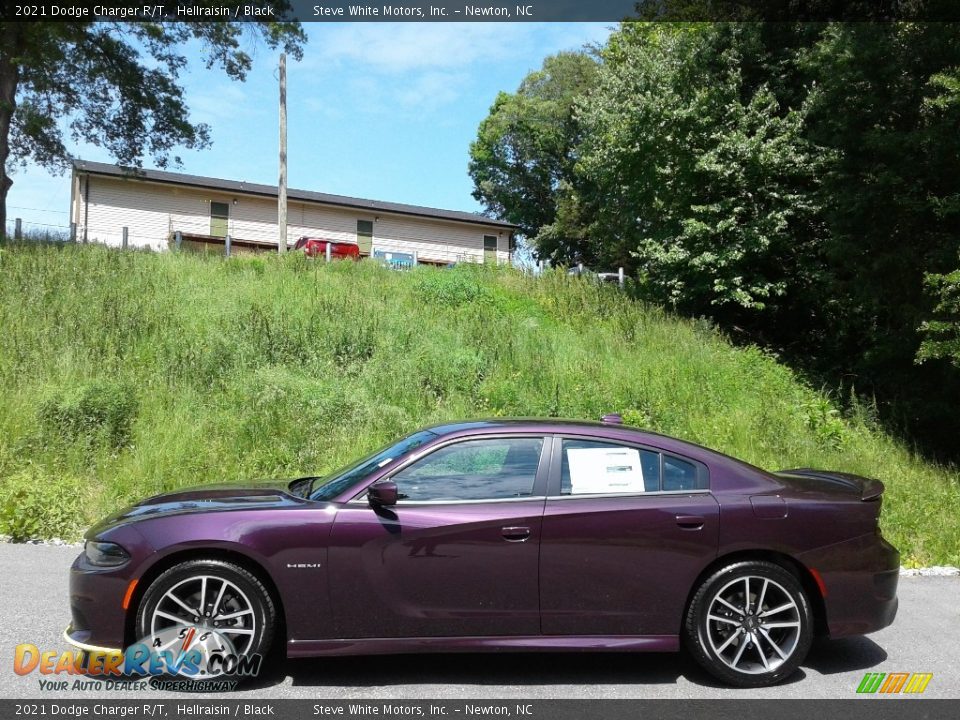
(487, 469)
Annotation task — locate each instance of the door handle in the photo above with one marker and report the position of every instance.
(515, 533)
(691, 522)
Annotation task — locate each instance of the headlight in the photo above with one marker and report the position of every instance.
(105, 554)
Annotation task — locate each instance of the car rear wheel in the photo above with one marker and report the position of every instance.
(749, 624)
(211, 605)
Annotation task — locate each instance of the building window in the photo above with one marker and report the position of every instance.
(490, 248)
(365, 236)
(219, 214)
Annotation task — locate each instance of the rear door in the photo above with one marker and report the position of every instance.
(626, 530)
(456, 556)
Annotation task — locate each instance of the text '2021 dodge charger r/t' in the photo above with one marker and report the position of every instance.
(503, 535)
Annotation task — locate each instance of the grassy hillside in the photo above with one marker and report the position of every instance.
(125, 374)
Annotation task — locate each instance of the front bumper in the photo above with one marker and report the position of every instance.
(80, 639)
(97, 618)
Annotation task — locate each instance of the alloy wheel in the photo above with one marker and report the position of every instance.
(211, 604)
(753, 624)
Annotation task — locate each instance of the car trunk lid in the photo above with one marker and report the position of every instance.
(831, 482)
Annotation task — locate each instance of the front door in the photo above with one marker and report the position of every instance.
(456, 556)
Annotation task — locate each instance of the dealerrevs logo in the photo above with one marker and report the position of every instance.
(192, 653)
(894, 683)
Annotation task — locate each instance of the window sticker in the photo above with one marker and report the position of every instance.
(605, 470)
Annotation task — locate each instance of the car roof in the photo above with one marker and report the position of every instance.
(557, 425)
(514, 423)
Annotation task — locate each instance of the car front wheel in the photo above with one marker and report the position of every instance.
(749, 624)
(214, 606)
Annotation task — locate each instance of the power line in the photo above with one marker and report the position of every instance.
(18, 207)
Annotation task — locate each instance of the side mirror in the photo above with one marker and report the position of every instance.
(383, 493)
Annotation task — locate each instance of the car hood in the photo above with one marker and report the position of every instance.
(222, 497)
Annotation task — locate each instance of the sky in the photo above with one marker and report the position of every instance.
(380, 111)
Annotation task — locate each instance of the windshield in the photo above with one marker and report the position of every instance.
(339, 481)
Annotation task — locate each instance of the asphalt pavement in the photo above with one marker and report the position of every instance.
(924, 638)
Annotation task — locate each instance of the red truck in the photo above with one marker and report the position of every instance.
(317, 247)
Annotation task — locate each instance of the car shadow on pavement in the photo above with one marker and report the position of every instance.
(826, 657)
(493, 669)
(524, 669)
(829, 657)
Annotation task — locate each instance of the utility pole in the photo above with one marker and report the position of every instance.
(282, 189)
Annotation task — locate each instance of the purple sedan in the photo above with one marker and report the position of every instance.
(504, 535)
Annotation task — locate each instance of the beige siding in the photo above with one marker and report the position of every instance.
(153, 211)
(439, 241)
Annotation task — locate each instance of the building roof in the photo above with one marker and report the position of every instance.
(234, 186)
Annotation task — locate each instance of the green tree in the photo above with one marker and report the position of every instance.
(886, 110)
(795, 181)
(700, 180)
(113, 84)
(524, 151)
(942, 332)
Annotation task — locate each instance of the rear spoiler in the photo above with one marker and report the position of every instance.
(868, 488)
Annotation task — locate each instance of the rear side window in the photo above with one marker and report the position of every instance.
(681, 475)
(590, 467)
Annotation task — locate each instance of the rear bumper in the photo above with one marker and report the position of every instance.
(860, 577)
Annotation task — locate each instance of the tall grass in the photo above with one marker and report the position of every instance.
(128, 373)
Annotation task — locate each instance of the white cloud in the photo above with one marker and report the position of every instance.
(402, 47)
(212, 105)
(431, 90)
(427, 66)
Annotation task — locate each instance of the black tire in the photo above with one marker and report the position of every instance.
(749, 647)
(242, 590)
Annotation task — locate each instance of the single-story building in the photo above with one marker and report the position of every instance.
(159, 207)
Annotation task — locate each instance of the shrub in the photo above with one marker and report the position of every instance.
(98, 412)
(35, 505)
(825, 422)
(451, 288)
